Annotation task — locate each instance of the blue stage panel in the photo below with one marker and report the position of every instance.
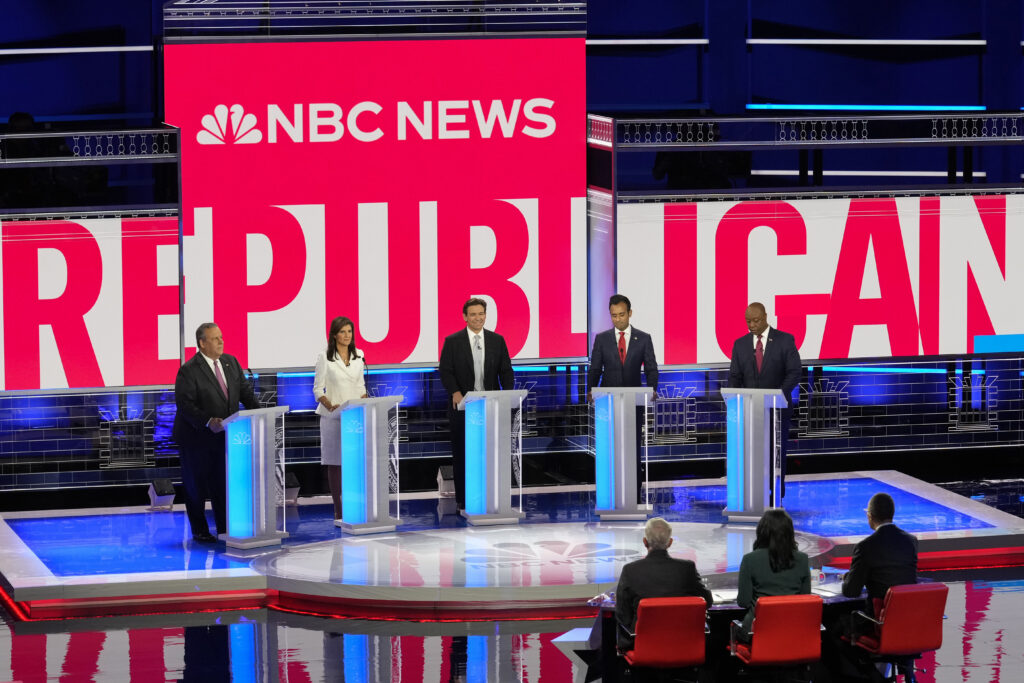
(150, 542)
(116, 544)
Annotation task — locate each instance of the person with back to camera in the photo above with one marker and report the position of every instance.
(339, 376)
(655, 576)
(773, 567)
(886, 558)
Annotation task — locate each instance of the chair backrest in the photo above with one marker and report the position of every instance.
(669, 632)
(787, 630)
(912, 619)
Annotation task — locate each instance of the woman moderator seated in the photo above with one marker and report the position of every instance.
(773, 567)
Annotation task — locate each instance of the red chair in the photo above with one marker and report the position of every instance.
(786, 633)
(670, 634)
(908, 625)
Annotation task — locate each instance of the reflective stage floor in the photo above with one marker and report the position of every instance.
(102, 562)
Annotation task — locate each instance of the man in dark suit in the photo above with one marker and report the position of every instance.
(655, 576)
(472, 359)
(208, 389)
(886, 558)
(616, 360)
(767, 358)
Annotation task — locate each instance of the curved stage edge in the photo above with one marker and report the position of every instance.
(60, 564)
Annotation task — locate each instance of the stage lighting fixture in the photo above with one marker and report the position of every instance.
(161, 495)
(445, 482)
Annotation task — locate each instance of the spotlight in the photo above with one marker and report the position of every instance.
(161, 495)
(445, 482)
(291, 489)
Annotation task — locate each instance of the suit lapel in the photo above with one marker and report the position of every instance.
(205, 371)
(769, 344)
(468, 349)
(225, 368)
(634, 339)
(749, 353)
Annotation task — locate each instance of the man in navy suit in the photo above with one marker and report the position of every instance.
(208, 389)
(767, 358)
(472, 359)
(886, 558)
(616, 360)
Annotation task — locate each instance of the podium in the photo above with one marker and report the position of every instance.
(490, 436)
(251, 475)
(615, 451)
(750, 449)
(369, 440)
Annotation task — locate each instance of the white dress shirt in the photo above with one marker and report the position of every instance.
(764, 338)
(628, 333)
(472, 339)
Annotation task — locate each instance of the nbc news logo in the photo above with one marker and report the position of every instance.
(216, 130)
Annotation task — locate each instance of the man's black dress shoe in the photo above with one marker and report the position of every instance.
(205, 538)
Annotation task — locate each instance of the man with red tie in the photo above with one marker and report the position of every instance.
(767, 358)
(618, 356)
(209, 388)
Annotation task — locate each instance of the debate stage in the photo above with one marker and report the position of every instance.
(59, 564)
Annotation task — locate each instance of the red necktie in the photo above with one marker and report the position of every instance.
(759, 353)
(622, 347)
(224, 385)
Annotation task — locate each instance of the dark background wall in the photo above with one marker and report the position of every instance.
(699, 58)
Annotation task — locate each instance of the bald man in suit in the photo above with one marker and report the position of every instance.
(766, 358)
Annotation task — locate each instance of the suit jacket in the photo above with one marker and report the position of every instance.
(757, 579)
(780, 366)
(607, 370)
(656, 576)
(198, 397)
(456, 365)
(888, 557)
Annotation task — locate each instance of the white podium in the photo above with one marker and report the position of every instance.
(493, 445)
(369, 441)
(251, 474)
(750, 449)
(615, 451)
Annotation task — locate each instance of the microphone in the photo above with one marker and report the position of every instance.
(253, 381)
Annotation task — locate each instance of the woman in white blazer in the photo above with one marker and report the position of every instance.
(339, 377)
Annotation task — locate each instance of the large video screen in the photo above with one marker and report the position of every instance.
(89, 303)
(849, 278)
(387, 181)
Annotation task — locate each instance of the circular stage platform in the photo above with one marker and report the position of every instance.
(536, 570)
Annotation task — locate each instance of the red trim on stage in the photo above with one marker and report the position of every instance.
(966, 558)
(382, 610)
(191, 603)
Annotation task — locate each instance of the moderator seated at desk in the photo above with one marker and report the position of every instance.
(721, 613)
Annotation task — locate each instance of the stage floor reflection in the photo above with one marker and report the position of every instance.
(102, 562)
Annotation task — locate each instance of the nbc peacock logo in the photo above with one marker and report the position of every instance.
(547, 553)
(229, 126)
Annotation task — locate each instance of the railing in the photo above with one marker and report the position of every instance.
(812, 132)
(217, 19)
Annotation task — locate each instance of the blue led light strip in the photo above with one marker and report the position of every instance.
(353, 465)
(734, 453)
(476, 457)
(239, 478)
(883, 370)
(604, 445)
